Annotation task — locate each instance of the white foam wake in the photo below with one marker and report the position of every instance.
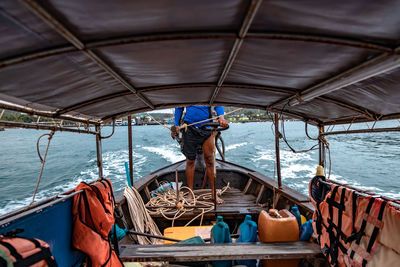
(234, 146)
(167, 153)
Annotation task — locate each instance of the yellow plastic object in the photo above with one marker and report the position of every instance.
(282, 228)
(303, 219)
(183, 233)
(320, 171)
(133, 264)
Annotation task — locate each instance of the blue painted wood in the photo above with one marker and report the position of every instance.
(128, 177)
(54, 225)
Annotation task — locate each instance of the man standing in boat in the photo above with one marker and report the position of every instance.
(194, 136)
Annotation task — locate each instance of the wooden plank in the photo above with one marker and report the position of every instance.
(259, 196)
(208, 252)
(246, 188)
(147, 191)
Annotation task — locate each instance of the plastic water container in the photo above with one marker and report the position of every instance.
(220, 234)
(295, 211)
(278, 226)
(119, 231)
(306, 231)
(248, 233)
(162, 189)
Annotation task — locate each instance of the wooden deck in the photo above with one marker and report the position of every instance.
(209, 252)
(235, 203)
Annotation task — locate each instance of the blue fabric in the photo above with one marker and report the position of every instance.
(195, 114)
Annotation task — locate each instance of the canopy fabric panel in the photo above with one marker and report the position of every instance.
(169, 62)
(323, 62)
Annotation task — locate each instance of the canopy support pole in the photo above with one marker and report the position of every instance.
(130, 149)
(99, 151)
(277, 155)
(321, 145)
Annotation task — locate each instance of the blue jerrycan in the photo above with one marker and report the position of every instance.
(247, 234)
(295, 211)
(306, 231)
(220, 234)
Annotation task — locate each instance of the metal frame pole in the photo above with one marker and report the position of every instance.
(36, 126)
(99, 151)
(277, 154)
(130, 149)
(321, 146)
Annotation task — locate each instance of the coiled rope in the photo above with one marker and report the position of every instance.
(141, 219)
(168, 208)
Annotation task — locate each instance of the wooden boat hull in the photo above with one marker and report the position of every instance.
(51, 220)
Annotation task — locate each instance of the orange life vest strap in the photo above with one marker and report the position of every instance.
(43, 254)
(373, 220)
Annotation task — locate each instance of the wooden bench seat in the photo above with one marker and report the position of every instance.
(208, 252)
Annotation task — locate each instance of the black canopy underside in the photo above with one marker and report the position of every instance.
(326, 62)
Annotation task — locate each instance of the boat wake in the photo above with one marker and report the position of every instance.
(169, 153)
(231, 147)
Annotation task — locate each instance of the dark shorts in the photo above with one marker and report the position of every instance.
(192, 139)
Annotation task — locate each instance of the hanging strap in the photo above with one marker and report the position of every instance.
(333, 249)
(358, 235)
(376, 231)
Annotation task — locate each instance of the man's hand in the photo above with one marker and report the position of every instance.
(174, 131)
(222, 122)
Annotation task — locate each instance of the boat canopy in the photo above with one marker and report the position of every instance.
(324, 62)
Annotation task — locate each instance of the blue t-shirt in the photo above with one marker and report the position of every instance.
(195, 114)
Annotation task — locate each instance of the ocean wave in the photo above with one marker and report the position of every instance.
(392, 195)
(297, 170)
(267, 154)
(113, 168)
(166, 152)
(234, 146)
(288, 157)
(42, 195)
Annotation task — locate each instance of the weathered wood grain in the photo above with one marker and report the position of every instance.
(208, 252)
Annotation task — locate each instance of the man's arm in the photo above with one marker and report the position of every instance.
(177, 118)
(221, 119)
(178, 115)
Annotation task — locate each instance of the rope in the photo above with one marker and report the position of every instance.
(165, 126)
(42, 160)
(286, 141)
(185, 204)
(141, 219)
(209, 119)
(322, 139)
(213, 118)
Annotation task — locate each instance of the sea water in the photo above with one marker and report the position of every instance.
(367, 161)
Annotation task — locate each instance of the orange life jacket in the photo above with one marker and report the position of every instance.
(352, 229)
(93, 217)
(23, 251)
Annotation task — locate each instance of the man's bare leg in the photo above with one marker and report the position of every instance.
(190, 164)
(208, 150)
